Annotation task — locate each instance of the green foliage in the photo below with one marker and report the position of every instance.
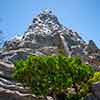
(74, 97)
(51, 74)
(83, 90)
(95, 78)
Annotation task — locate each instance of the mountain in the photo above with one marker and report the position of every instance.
(44, 36)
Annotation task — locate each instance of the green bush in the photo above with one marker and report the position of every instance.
(51, 74)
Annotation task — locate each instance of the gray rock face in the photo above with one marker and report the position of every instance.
(48, 50)
(14, 55)
(12, 44)
(10, 90)
(6, 69)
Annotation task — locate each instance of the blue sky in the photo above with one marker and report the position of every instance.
(82, 16)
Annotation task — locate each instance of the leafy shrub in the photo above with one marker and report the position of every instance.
(95, 78)
(51, 74)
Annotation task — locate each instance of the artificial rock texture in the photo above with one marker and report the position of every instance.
(44, 36)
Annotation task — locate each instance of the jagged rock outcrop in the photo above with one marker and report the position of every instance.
(92, 48)
(45, 35)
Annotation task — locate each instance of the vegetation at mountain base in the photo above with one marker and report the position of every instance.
(55, 75)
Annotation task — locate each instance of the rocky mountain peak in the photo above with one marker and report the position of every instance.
(46, 28)
(46, 31)
(46, 17)
(44, 23)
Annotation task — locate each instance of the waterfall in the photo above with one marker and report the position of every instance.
(65, 44)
